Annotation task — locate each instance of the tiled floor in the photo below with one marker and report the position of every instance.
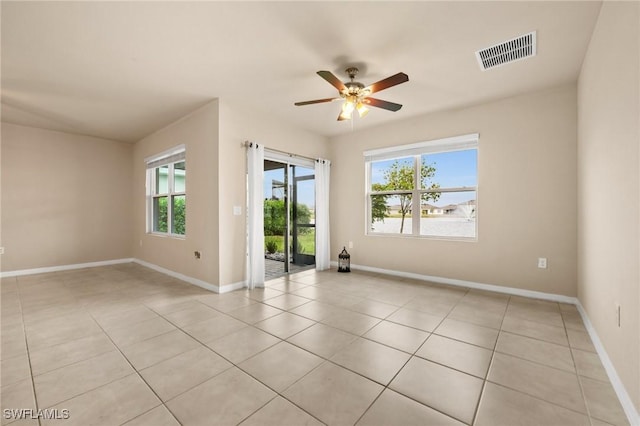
(126, 345)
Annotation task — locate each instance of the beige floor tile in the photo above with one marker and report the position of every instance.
(284, 325)
(438, 307)
(210, 330)
(226, 302)
(588, 364)
(539, 351)
(550, 384)
(287, 301)
(176, 375)
(536, 330)
(135, 333)
(374, 309)
(262, 294)
(281, 365)
(534, 314)
(316, 311)
(66, 313)
(53, 357)
(65, 307)
(373, 360)
(416, 319)
(17, 396)
(243, 344)
(603, 402)
(285, 286)
(391, 408)
(60, 330)
(158, 416)
(159, 348)
(449, 391)
(280, 412)
(322, 340)
(212, 403)
(192, 314)
(13, 343)
(14, 370)
(397, 336)
(254, 313)
(333, 394)
(596, 422)
(573, 320)
(351, 322)
(75, 379)
(478, 315)
(112, 404)
(391, 297)
(163, 305)
(502, 406)
(467, 332)
(580, 340)
(461, 356)
(119, 319)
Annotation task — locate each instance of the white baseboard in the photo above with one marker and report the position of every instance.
(47, 269)
(469, 284)
(623, 396)
(203, 284)
(625, 400)
(195, 281)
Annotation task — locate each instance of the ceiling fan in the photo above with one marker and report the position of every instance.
(356, 95)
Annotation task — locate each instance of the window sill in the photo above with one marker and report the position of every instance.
(165, 235)
(423, 237)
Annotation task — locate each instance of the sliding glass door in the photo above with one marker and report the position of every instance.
(289, 217)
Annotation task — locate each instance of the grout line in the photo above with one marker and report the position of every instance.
(26, 344)
(134, 369)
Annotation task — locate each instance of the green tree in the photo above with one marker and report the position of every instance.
(275, 218)
(179, 215)
(401, 177)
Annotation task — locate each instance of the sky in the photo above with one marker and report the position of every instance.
(453, 170)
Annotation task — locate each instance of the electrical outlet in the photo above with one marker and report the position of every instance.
(542, 262)
(196, 254)
(1, 250)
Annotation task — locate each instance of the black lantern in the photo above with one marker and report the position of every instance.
(344, 261)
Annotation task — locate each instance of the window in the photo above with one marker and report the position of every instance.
(427, 189)
(166, 193)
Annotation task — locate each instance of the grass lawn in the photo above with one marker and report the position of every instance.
(306, 241)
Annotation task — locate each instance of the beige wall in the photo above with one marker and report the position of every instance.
(199, 132)
(526, 198)
(609, 188)
(237, 125)
(66, 199)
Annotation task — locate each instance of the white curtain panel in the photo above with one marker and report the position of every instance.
(255, 216)
(323, 253)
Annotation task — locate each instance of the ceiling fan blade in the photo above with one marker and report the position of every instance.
(388, 82)
(317, 101)
(379, 103)
(333, 80)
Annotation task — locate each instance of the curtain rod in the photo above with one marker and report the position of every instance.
(249, 143)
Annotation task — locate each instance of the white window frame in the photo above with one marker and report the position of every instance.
(166, 158)
(415, 151)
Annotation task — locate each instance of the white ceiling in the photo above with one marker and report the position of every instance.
(121, 70)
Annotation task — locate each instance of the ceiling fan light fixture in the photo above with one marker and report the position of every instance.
(362, 110)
